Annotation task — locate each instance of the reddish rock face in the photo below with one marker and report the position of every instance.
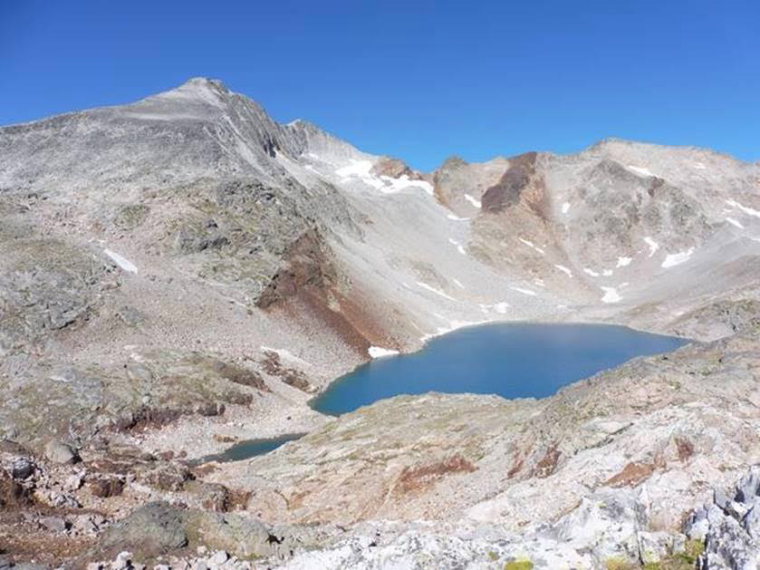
(394, 168)
(507, 192)
(421, 476)
(548, 463)
(307, 268)
(631, 475)
(107, 487)
(309, 284)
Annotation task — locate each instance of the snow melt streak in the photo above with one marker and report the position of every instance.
(122, 262)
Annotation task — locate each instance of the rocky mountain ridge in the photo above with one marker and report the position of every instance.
(184, 272)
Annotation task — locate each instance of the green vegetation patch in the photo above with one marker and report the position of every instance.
(519, 565)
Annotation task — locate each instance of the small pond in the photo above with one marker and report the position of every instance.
(248, 448)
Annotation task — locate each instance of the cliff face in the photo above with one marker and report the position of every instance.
(154, 256)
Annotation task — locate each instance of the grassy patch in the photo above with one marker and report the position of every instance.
(519, 565)
(618, 563)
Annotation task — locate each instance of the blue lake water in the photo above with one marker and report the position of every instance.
(515, 360)
(248, 448)
(511, 360)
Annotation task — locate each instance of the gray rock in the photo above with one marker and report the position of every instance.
(730, 528)
(698, 525)
(151, 531)
(751, 521)
(88, 524)
(131, 316)
(123, 561)
(219, 557)
(654, 546)
(54, 524)
(59, 452)
(63, 500)
(749, 486)
(74, 482)
(23, 468)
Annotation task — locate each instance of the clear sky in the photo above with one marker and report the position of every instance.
(421, 80)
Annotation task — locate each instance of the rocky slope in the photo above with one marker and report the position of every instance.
(608, 467)
(183, 272)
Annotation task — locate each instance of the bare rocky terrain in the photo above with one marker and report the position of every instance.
(184, 272)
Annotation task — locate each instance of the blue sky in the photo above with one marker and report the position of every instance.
(421, 80)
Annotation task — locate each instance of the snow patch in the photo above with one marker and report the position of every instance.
(359, 168)
(591, 272)
(458, 283)
(362, 170)
(434, 290)
(380, 352)
(459, 246)
(607, 272)
(393, 185)
(640, 170)
(524, 291)
(500, 308)
(564, 269)
(565, 207)
(457, 218)
(532, 245)
(653, 245)
(745, 209)
(452, 327)
(734, 222)
(121, 261)
(624, 261)
(677, 258)
(611, 295)
(473, 201)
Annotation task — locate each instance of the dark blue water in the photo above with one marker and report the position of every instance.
(511, 360)
(249, 448)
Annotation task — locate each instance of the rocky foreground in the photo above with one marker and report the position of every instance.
(184, 272)
(632, 468)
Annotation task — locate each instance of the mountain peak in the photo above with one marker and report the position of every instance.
(197, 90)
(204, 84)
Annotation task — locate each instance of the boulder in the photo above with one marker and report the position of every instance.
(218, 558)
(22, 468)
(54, 524)
(123, 561)
(105, 487)
(59, 452)
(151, 531)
